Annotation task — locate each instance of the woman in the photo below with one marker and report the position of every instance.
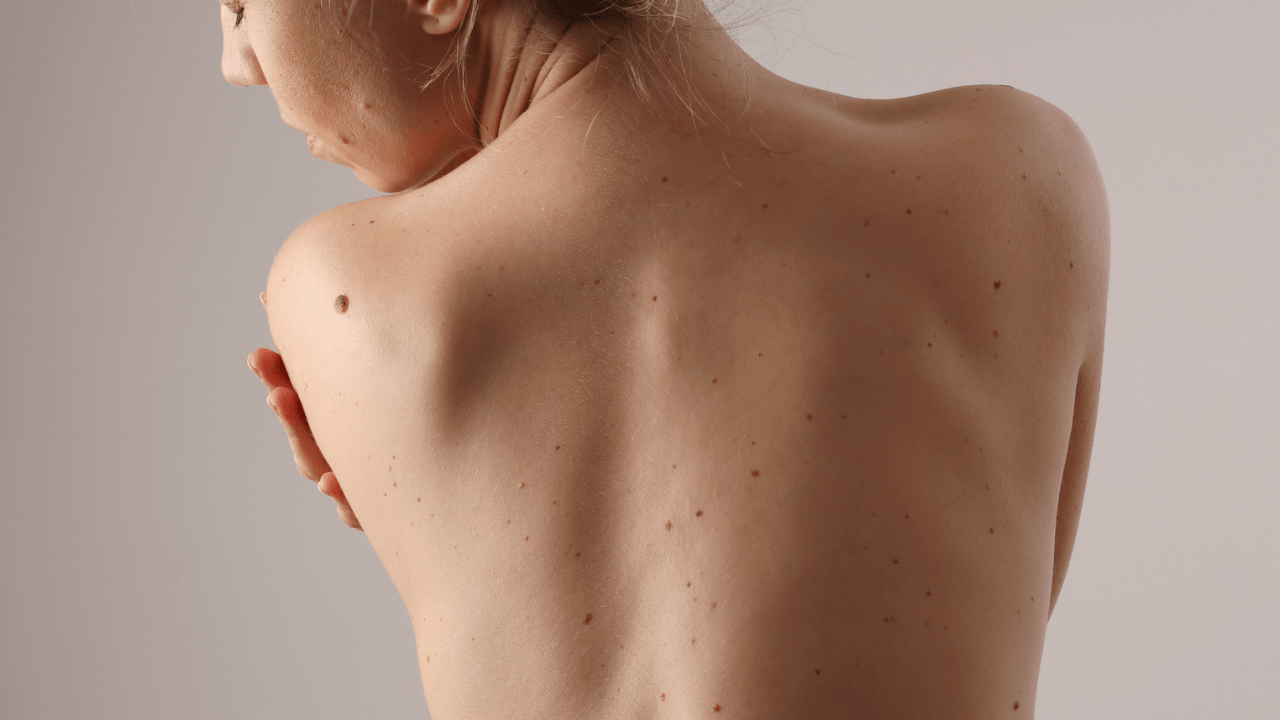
(683, 389)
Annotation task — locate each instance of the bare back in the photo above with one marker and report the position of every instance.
(788, 437)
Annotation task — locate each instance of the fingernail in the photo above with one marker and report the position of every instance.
(272, 402)
(253, 365)
(263, 298)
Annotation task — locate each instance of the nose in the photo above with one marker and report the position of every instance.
(239, 63)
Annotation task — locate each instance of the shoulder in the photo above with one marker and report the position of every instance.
(1032, 193)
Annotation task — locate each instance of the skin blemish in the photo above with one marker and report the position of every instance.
(891, 172)
(908, 211)
(419, 499)
(991, 530)
(655, 298)
(395, 484)
(995, 333)
(341, 303)
(1015, 705)
(755, 473)
(1024, 176)
(868, 274)
(668, 525)
(588, 620)
(713, 605)
(699, 513)
(557, 447)
(521, 486)
(817, 672)
(664, 180)
(714, 380)
(526, 538)
(689, 584)
(928, 593)
(694, 641)
(577, 554)
(895, 561)
(716, 708)
(866, 224)
(663, 696)
(997, 284)
(1073, 266)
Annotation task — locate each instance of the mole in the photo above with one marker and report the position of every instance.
(755, 473)
(997, 284)
(668, 524)
(1015, 705)
(716, 708)
(699, 513)
(588, 620)
(341, 303)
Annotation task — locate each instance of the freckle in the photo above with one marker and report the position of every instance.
(908, 211)
(895, 561)
(508, 521)
(588, 620)
(341, 303)
(1073, 266)
(1015, 705)
(699, 513)
(868, 274)
(755, 473)
(995, 333)
(655, 298)
(384, 494)
(811, 417)
(713, 606)
(664, 180)
(557, 447)
(419, 499)
(991, 531)
(668, 524)
(928, 593)
(714, 380)
(693, 641)
(526, 538)
(689, 584)
(394, 484)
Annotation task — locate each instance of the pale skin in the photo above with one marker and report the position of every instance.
(786, 413)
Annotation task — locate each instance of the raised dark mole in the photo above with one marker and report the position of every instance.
(997, 284)
(699, 513)
(588, 620)
(341, 303)
(817, 672)
(717, 707)
(930, 344)
(1073, 266)
(1015, 705)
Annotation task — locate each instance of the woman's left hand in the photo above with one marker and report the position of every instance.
(269, 367)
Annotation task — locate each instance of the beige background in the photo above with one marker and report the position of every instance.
(161, 558)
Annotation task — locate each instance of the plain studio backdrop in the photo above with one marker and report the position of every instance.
(161, 557)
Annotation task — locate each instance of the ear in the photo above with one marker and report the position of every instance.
(440, 17)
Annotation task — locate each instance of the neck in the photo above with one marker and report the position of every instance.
(525, 58)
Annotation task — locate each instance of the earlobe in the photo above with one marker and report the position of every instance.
(440, 17)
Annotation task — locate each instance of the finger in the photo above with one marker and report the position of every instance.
(329, 486)
(306, 453)
(269, 367)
